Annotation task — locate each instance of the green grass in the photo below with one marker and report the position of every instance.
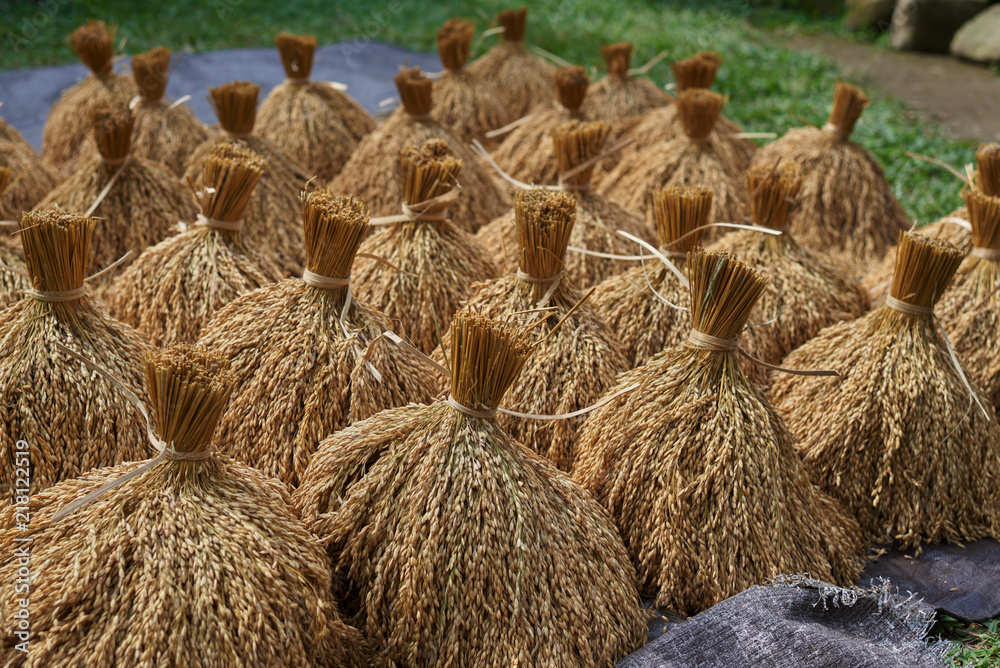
(972, 644)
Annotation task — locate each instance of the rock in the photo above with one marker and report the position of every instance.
(869, 14)
(979, 38)
(929, 25)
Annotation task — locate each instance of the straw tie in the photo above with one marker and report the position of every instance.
(418, 212)
(324, 282)
(552, 280)
(62, 296)
(215, 223)
(702, 341)
(986, 253)
(907, 307)
(471, 412)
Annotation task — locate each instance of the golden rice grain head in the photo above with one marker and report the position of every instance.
(151, 71)
(723, 293)
(576, 142)
(617, 58)
(544, 223)
(988, 163)
(773, 190)
(94, 44)
(486, 356)
(984, 215)
(697, 71)
(415, 92)
(514, 22)
(453, 40)
(698, 110)
(428, 171)
(678, 211)
(297, 52)
(235, 105)
(113, 123)
(335, 226)
(230, 174)
(56, 248)
(848, 103)
(571, 87)
(924, 268)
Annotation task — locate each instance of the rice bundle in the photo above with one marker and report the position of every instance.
(970, 310)
(310, 119)
(527, 153)
(372, 173)
(467, 104)
(275, 209)
(899, 439)
(619, 99)
(13, 271)
(9, 133)
(29, 183)
(700, 473)
(144, 203)
(67, 126)
(72, 421)
(598, 219)
(701, 157)
(164, 132)
(523, 80)
(198, 560)
(578, 358)
(950, 228)
(434, 262)
(343, 372)
(635, 302)
(846, 206)
(663, 123)
(806, 290)
(459, 542)
(175, 287)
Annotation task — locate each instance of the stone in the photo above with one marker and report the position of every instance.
(869, 14)
(929, 25)
(979, 38)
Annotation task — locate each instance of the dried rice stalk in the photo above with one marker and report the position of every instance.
(598, 219)
(527, 153)
(467, 104)
(807, 289)
(524, 80)
(643, 321)
(13, 270)
(898, 438)
(9, 133)
(970, 310)
(205, 551)
(30, 180)
(699, 471)
(174, 288)
(305, 118)
(439, 261)
(275, 209)
(619, 99)
(164, 132)
(846, 207)
(572, 367)
(279, 411)
(72, 420)
(64, 134)
(372, 173)
(459, 542)
(143, 205)
(702, 157)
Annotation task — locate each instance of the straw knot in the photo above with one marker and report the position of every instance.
(907, 307)
(57, 296)
(992, 254)
(324, 282)
(545, 280)
(703, 341)
(416, 214)
(465, 410)
(216, 224)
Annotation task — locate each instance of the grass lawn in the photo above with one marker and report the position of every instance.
(771, 88)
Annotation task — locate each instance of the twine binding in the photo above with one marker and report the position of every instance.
(984, 253)
(214, 223)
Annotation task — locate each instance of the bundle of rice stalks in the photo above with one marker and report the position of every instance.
(72, 421)
(309, 119)
(345, 370)
(164, 132)
(700, 473)
(846, 207)
(663, 123)
(434, 262)
(13, 271)
(9, 133)
(901, 439)
(175, 287)
(372, 173)
(701, 157)
(140, 201)
(598, 219)
(523, 80)
(953, 228)
(527, 153)
(467, 104)
(191, 547)
(579, 356)
(807, 291)
(648, 305)
(970, 310)
(68, 126)
(458, 541)
(30, 180)
(275, 210)
(619, 99)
